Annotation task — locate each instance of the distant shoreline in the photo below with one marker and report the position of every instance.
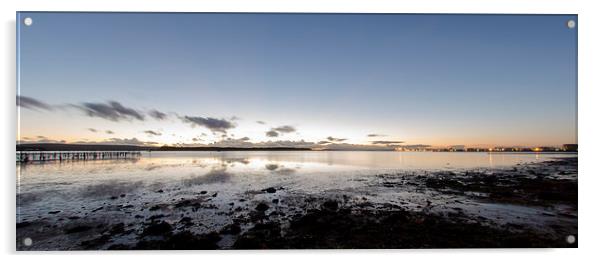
(101, 147)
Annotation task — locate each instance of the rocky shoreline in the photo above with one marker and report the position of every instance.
(531, 205)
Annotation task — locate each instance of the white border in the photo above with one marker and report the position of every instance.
(589, 126)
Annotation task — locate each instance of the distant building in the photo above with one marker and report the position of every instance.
(456, 148)
(569, 147)
(545, 149)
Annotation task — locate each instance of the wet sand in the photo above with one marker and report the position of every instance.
(528, 205)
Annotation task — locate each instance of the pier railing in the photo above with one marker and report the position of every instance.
(43, 156)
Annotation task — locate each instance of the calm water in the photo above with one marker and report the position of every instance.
(85, 185)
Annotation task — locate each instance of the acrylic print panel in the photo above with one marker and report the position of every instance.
(288, 131)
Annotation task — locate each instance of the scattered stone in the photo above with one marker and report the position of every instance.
(331, 205)
(155, 217)
(117, 229)
(157, 229)
(95, 243)
(77, 229)
(270, 190)
(186, 221)
(232, 229)
(185, 240)
(23, 224)
(262, 207)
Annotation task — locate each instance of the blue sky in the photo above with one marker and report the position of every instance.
(422, 79)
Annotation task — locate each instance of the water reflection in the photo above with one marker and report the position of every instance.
(212, 177)
(280, 169)
(164, 176)
(271, 166)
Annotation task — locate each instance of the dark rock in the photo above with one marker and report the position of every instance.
(232, 229)
(155, 217)
(117, 229)
(181, 241)
(262, 207)
(261, 236)
(275, 201)
(23, 224)
(119, 247)
(157, 229)
(270, 190)
(54, 212)
(77, 229)
(95, 243)
(203, 192)
(183, 203)
(186, 221)
(331, 205)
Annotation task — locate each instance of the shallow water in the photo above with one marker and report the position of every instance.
(73, 185)
(132, 191)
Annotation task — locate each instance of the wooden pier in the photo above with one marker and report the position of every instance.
(43, 156)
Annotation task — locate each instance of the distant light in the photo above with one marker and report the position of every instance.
(28, 21)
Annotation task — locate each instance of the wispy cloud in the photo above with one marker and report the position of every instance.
(109, 132)
(213, 124)
(333, 139)
(233, 142)
(126, 141)
(387, 142)
(157, 115)
(261, 122)
(376, 135)
(32, 104)
(92, 130)
(40, 139)
(112, 110)
(417, 146)
(153, 133)
(271, 133)
(275, 132)
(285, 129)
